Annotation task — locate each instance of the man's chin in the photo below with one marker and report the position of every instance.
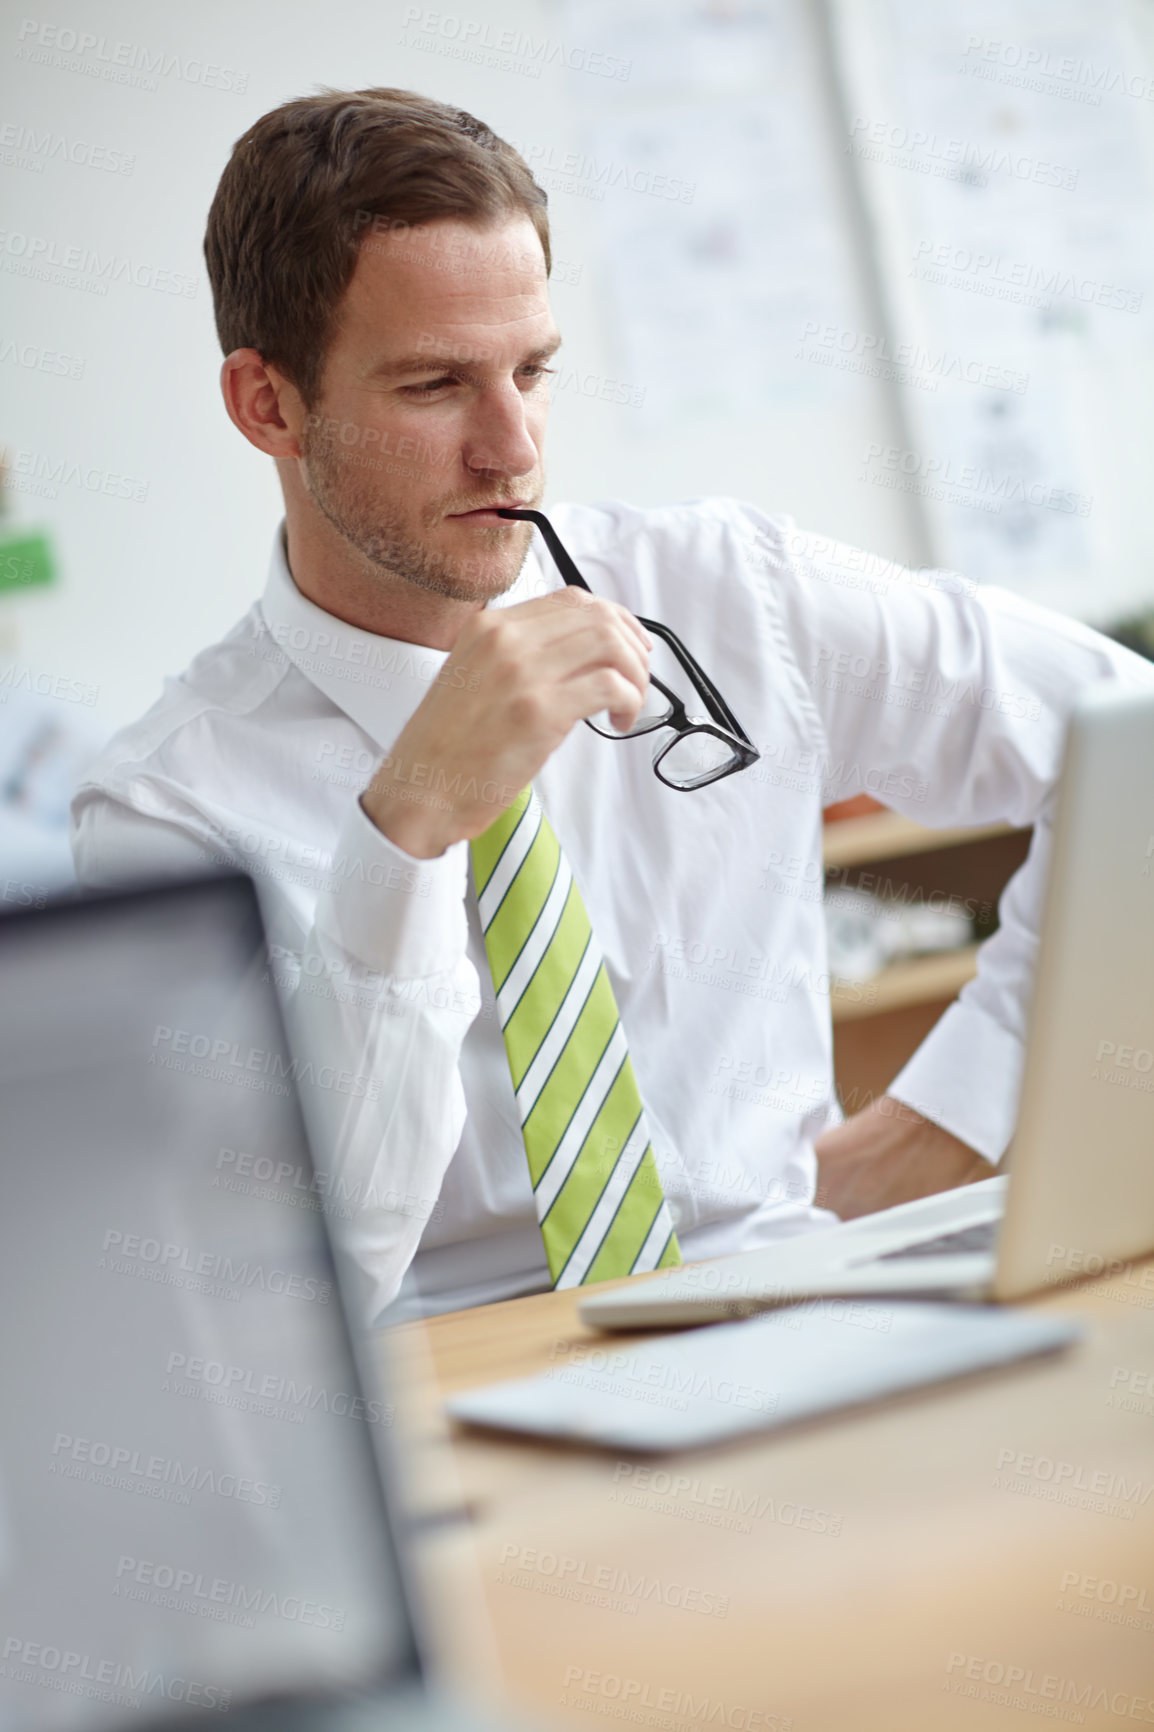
(473, 587)
(486, 571)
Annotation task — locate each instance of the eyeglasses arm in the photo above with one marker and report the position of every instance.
(564, 563)
(552, 541)
(721, 710)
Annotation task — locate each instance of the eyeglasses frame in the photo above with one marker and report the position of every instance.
(724, 724)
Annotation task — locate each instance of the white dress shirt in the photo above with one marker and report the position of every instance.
(851, 675)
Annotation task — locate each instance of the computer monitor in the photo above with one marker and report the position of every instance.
(191, 1513)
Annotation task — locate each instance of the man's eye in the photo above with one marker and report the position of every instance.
(532, 374)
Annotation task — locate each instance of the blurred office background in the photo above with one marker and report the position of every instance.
(885, 265)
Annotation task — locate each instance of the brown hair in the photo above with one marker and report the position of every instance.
(306, 184)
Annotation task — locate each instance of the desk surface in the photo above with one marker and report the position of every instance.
(960, 1557)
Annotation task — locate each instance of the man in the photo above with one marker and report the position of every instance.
(379, 264)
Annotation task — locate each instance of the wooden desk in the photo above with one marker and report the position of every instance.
(887, 1571)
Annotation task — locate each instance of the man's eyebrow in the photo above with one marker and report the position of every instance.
(429, 362)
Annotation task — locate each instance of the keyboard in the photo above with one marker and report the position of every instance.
(979, 1238)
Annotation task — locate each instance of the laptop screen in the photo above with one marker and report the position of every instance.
(190, 1512)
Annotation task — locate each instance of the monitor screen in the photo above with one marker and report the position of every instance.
(190, 1509)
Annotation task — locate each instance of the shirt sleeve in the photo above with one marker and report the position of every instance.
(949, 702)
(378, 995)
(385, 983)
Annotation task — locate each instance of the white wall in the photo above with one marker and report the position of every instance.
(146, 581)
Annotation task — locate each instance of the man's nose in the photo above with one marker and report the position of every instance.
(498, 437)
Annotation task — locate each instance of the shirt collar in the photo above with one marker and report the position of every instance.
(377, 681)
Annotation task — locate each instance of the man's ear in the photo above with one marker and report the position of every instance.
(267, 407)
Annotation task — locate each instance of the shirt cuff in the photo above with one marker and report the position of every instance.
(967, 1077)
(402, 917)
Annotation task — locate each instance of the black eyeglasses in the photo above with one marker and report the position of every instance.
(703, 748)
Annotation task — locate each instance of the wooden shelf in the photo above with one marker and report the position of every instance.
(925, 980)
(889, 836)
(880, 1023)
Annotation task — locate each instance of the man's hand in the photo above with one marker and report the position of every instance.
(889, 1154)
(517, 680)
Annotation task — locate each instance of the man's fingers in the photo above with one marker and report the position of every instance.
(631, 621)
(585, 651)
(532, 672)
(604, 689)
(627, 623)
(551, 610)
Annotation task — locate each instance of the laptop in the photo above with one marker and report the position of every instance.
(196, 1513)
(1077, 1198)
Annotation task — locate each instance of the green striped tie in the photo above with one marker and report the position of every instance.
(599, 1198)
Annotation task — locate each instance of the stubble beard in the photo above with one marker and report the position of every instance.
(385, 537)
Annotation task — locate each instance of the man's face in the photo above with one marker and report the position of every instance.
(433, 404)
